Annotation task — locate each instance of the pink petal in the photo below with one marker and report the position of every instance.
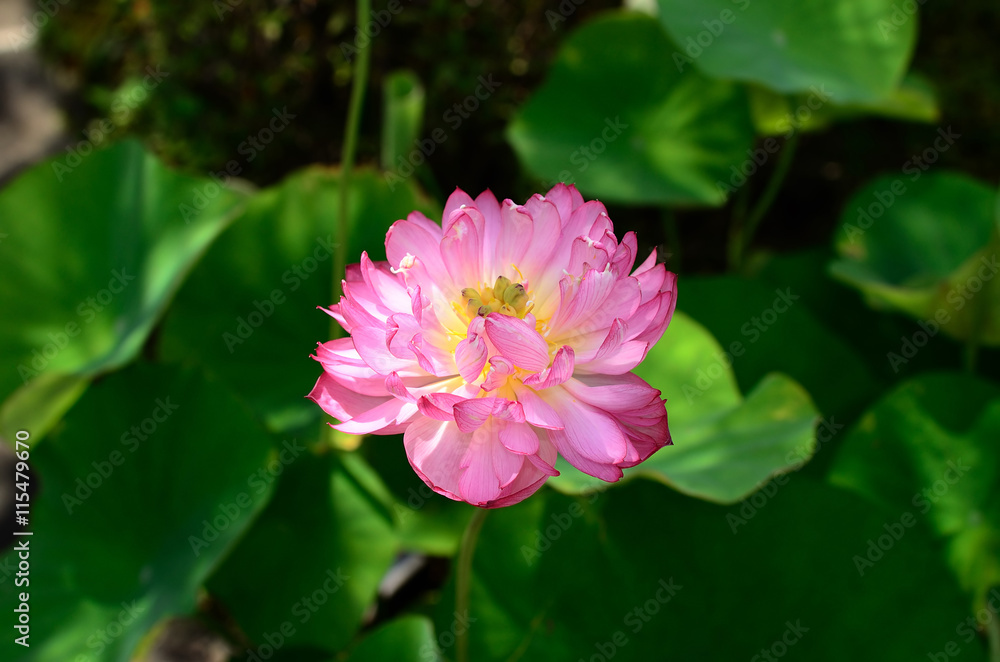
(545, 229)
(536, 410)
(435, 450)
(471, 414)
(625, 255)
(400, 330)
(650, 281)
(613, 341)
(462, 249)
(518, 437)
(370, 342)
(418, 302)
(668, 302)
(479, 483)
(470, 356)
(560, 370)
(439, 406)
(500, 370)
(352, 314)
(342, 362)
(455, 201)
(566, 198)
(517, 341)
(513, 240)
(488, 206)
(408, 238)
(543, 466)
(472, 352)
(395, 385)
(418, 218)
(626, 358)
(340, 401)
(593, 303)
(586, 254)
(619, 393)
(506, 465)
(388, 418)
(587, 431)
(515, 493)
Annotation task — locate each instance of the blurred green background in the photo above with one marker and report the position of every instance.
(820, 174)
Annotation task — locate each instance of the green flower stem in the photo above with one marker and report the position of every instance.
(347, 155)
(351, 129)
(742, 234)
(980, 310)
(993, 637)
(463, 579)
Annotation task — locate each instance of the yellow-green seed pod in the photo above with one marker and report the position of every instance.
(472, 306)
(515, 295)
(500, 286)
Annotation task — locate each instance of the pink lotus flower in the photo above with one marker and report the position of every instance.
(499, 340)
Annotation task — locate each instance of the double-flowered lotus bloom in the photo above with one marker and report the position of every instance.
(498, 339)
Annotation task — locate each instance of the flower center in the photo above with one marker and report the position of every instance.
(503, 297)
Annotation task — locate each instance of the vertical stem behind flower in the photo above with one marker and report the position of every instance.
(673, 260)
(351, 129)
(993, 638)
(742, 234)
(352, 126)
(981, 305)
(463, 580)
